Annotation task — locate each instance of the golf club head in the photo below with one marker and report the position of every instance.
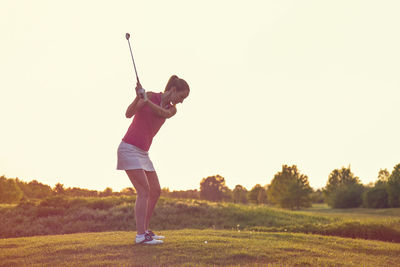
(127, 35)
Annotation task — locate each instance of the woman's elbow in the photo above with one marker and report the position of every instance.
(168, 115)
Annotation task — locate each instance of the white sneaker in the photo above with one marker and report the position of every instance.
(147, 239)
(154, 236)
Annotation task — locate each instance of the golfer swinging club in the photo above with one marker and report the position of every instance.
(150, 110)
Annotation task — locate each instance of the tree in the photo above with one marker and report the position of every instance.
(9, 191)
(186, 194)
(383, 176)
(317, 196)
(130, 191)
(343, 189)
(257, 195)
(80, 192)
(349, 196)
(34, 189)
(376, 196)
(213, 188)
(59, 189)
(262, 196)
(290, 189)
(107, 192)
(240, 194)
(227, 195)
(393, 187)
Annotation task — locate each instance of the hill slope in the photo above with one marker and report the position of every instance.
(59, 215)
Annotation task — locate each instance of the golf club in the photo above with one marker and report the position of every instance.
(141, 90)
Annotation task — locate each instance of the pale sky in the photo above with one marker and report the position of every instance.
(311, 83)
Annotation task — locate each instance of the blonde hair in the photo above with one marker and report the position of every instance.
(180, 84)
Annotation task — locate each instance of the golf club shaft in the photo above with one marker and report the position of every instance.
(130, 49)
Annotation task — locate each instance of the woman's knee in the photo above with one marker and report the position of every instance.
(155, 192)
(144, 192)
(139, 181)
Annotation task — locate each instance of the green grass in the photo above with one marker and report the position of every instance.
(389, 217)
(188, 248)
(75, 215)
(355, 213)
(267, 236)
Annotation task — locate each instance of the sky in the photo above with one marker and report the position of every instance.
(314, 84)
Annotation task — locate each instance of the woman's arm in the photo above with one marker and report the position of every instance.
(162, 112)
(133, 107)
(136, 104)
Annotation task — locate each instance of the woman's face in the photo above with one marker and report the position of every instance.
(178, 96)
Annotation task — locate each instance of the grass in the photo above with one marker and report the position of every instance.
(188, 248)
(389, 217)
(355, 213)
(62, 216)
(236, 235)
(74, 215)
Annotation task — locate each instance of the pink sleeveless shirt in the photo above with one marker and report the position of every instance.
(145, 125)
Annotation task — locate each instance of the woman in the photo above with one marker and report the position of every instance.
(150, 111)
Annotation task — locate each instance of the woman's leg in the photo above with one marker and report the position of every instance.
(155, 192)
(139, 181)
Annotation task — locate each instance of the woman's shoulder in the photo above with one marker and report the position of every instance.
(154, 93)
(153, 96)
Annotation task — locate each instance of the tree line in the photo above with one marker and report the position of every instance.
(15, 190)
(288, 189)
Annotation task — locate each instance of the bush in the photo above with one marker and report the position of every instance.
(34, 189)
(9, 191)
(240, 194)
(257, 195)
(317, 196)
(55, 202)
(372, 231)
(376, 197)
(343, 189)
(394, 187)
(347, 197)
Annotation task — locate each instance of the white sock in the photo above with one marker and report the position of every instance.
(140, 236)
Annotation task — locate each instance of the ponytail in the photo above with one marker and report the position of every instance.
(180, 84)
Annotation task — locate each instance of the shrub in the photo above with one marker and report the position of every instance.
(240, 194)
(257, 195)
(343, 189)
(34, 189)
(317, 196)
(55, 202)
(354, 229)
(9, 191)
(347, 197)
(376, 197)
(394, 187)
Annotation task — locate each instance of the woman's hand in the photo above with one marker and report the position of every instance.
(138, 102)
(140, 92)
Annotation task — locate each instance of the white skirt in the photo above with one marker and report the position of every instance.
(131, 157)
